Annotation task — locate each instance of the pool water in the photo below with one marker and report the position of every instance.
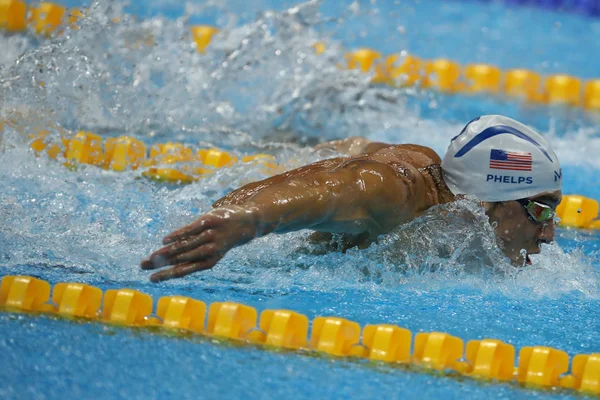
(261, 88)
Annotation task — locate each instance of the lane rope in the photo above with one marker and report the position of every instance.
(165, 162)
(400, 70)
(487, 359)
(590, 8)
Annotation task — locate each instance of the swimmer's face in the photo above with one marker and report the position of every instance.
(516, 231)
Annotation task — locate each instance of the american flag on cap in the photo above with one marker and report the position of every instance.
(510, 160)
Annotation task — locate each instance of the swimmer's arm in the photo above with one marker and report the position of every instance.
(356, 196)
(332, 201)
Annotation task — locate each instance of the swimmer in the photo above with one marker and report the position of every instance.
(508, 166)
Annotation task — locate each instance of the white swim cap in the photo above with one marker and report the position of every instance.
(497, 159)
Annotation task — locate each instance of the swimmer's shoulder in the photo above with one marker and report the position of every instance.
(420, 167)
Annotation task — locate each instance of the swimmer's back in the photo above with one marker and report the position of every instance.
(412, 154)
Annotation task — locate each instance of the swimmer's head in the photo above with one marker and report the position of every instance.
(513, 170)
(496, 158)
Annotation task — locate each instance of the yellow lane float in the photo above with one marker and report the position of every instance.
(165, 162)
(487, 359)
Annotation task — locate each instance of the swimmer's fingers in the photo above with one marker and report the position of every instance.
(203, 223)
(165, 255)
(182, 233)
(184, 269)
(201, 253)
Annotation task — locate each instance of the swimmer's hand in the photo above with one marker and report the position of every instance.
(201, 244)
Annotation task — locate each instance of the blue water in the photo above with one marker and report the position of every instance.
(95, 226)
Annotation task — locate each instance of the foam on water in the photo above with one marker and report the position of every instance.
(258, 85)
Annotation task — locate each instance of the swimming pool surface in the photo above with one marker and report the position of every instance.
(275, 96)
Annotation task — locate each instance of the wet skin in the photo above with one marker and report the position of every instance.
(376, 189)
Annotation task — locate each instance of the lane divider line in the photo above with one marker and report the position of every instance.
(487, 359)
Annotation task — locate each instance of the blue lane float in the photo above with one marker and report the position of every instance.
(589, 8)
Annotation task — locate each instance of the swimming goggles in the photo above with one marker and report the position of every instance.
(538, 212)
